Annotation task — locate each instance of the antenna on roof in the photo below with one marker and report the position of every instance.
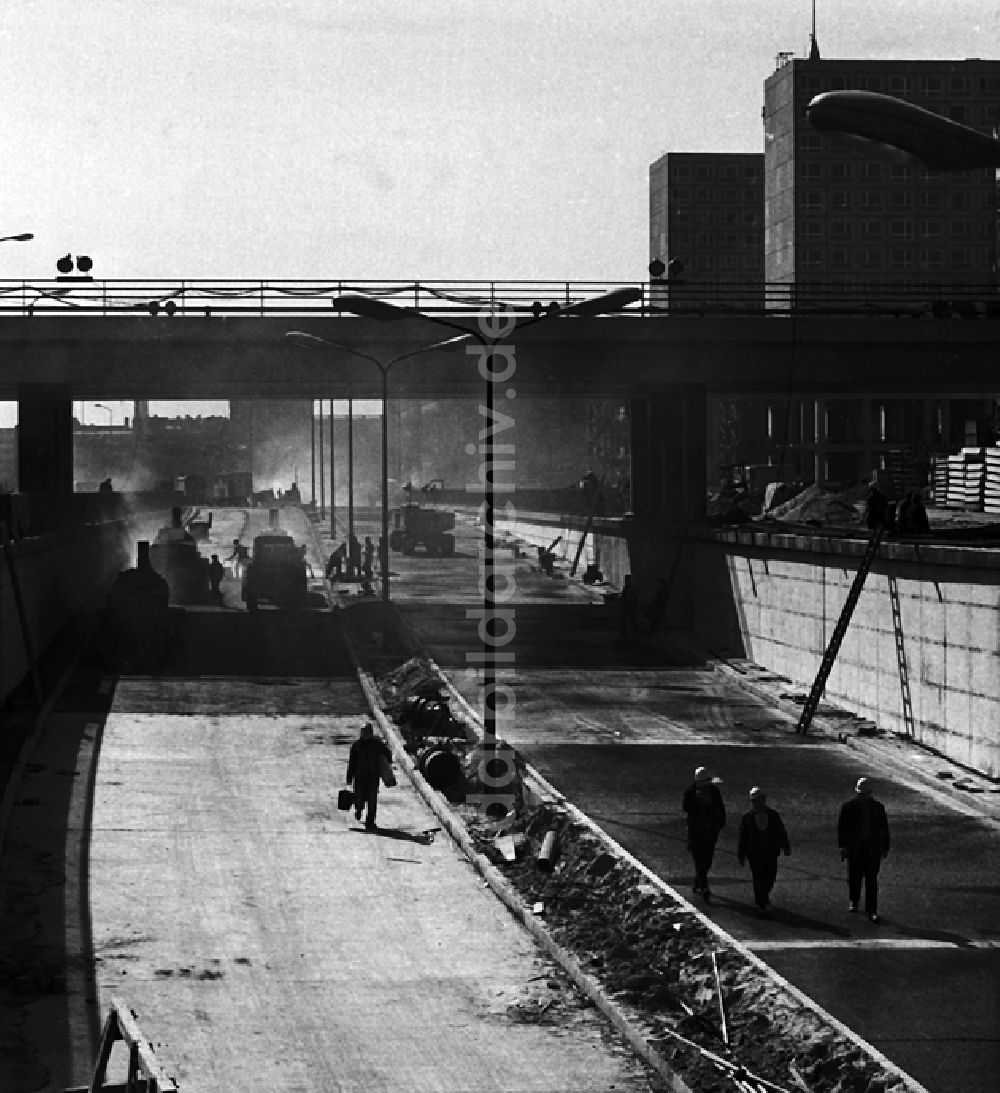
(813, 46)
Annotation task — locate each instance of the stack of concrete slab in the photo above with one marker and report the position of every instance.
(991, 487)
(939, 479)
(966, 476)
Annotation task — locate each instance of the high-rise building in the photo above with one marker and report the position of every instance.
(706, 210)
(843, 213)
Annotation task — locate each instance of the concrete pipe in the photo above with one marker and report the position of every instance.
(549, 853)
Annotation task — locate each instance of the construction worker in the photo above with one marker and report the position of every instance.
(863, 838)
(629, 607)
(706, 817)
(353, 557)
(364, 770)
(335, 563)
(239, 557)
(369, 557)
(762, 838)
(216, 571)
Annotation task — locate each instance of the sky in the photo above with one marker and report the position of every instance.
(392, 139)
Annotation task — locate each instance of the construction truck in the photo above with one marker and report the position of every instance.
(276, 573)
(415, 526)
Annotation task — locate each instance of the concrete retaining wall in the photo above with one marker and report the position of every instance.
(59, 574)
(775, 598)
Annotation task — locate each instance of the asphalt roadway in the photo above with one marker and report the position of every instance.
(619, 726)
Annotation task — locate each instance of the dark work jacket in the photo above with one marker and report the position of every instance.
(757, 845)
(851, 826)
(363, 762)
(704, 819)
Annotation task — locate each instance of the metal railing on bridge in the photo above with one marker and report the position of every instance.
(282, 298)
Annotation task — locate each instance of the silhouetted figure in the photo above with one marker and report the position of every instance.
(304, 551)
(876, 509)
(706, 817)
(363, 769)
(919, 523)
(239, 557)
(353, 557)
(369, 557)
(216, 571)
(335, 563)
(863, 838)
(106, 487)
(629, 607)
(762, 838)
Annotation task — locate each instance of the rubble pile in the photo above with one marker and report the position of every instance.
(817, 505)
(659, 961)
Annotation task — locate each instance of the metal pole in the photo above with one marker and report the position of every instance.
(312, 452)
(322, 462)
(350, 467)
(332, 479)
(384, 548)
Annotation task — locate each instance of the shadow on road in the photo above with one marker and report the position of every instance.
(224, 642)
(425, 838)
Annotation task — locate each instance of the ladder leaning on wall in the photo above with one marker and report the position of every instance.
(830, 656)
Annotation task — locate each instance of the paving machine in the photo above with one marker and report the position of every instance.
(139, 626)
(175, 556)
(415, 526)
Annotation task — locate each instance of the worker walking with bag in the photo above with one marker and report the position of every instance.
(368, 763)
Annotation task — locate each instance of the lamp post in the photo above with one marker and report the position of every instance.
(24, 237)
(101, 406)
(314, 341)
(372, 308)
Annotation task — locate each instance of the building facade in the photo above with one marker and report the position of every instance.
(842, 213)
(706, 210)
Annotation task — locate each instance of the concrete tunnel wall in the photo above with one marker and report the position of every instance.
(775, 599)
(59, 575)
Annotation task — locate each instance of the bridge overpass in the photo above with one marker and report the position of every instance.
(71, 340)
(126, 340)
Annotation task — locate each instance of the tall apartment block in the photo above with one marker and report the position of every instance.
(706, 209)
(841, 213)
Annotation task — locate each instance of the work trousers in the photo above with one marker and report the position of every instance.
(702, 851)
(764, 872)
(864, 866)
(366, 797)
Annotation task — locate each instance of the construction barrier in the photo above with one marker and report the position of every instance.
(145, 1075)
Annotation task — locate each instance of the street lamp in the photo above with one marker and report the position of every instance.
(314, 341)
(101, 406)
(24, 237)
(372, 308)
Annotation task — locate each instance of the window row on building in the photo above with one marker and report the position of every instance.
(730, 195)
(896, 229)
(902, 84)
(877, 257)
